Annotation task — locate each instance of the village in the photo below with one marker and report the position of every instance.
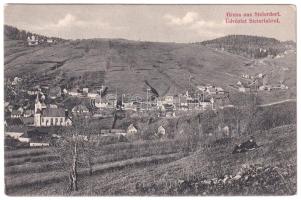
(45, 107)
(41, 109)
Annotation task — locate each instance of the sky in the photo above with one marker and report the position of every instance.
(159, 23)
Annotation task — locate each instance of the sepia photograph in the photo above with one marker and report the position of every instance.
(150, 100)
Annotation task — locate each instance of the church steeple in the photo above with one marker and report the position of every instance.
(37, 98)
(37, 105)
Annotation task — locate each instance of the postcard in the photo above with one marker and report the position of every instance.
(150, 100)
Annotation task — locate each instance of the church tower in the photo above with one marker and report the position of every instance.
(37, 111)
(37, 105)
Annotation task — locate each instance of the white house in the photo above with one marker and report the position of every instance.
(92, 95)
(24, 140)
(80, 110)
(100, 103)
(131, 130)
(86, 90)
(49, 40)
(32, 41)
(161, 131)
(16, 114)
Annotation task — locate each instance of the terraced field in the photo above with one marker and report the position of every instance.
(26, 168)
(161, 168)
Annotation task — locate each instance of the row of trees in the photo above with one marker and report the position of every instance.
(14, 33)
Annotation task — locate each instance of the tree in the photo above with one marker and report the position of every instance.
(75, 149)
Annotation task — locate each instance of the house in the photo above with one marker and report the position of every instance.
(39, 137)
(204, 104)
(131, 129)
(85, 91)
(92, 95)
(16, 114)
(24, 138)
(28, 113)
(32, 92)
(168, 100)
(219, 90)
(49, 40)
(112, 101)
(244, 89)
(183, 102)
(80, 110)
(170, 114)
(32, 41)
(100, 102)
(14, 135)
(28, 120)
(262, 87)
(65, 91)
(260, 75)
(247, 76)
(161, 131)
(21, 110)
(50, 116)
(80, 137)
(39, 144)
(211, 90)
(107, 132)
(192, 102)
(74, 92)
(12, 122)
(202, 88)
(55, 92)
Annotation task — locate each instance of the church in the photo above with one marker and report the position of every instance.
(49, 115)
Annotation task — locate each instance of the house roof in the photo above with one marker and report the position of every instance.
(54, 91)
(14, 122)
(80, 108)
(53, 112)
(16, 128)
(16, 112)
(131, 126)
(28, 120)
(29, 112)
(14, 134)
(161, 128)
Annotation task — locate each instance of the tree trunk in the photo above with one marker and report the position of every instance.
(90, 165)
(73, 173)
(238, 127)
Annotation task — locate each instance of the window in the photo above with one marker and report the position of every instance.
(42, 120)
(51, 121)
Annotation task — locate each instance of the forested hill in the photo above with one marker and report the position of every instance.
(248, 46)
(14, 33)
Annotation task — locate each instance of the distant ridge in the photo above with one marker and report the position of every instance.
(248, 46)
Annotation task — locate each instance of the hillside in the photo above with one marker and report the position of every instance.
(132, 66)
(269, 170)
(250, 46)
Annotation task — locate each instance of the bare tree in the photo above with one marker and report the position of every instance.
(75, 149)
